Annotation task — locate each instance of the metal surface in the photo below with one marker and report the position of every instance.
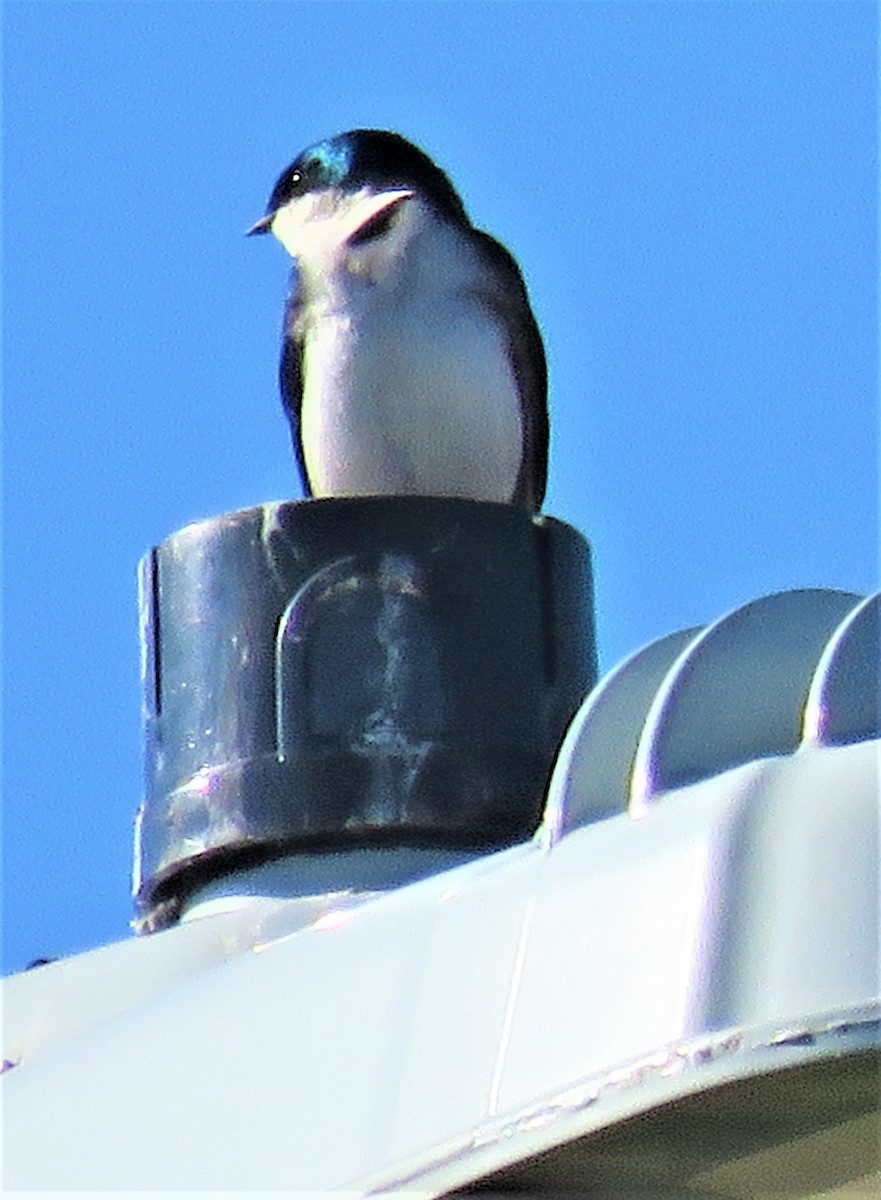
(597, 754)
(340, 878)
(738, 691)
(328, 674)
(738, 1113)
(324, 1047)
(679, 1000)
(844, 703)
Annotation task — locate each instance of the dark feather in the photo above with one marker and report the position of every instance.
(510, 302)
(290, 377)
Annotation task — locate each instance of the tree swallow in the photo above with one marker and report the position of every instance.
(411, 361)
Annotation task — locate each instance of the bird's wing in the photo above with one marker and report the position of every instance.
(511, 303)
(290, 375)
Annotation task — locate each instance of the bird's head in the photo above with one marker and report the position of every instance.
(351, 189)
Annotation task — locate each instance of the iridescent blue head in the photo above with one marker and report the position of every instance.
(374, 158)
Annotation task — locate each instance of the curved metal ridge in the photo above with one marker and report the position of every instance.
(844, 702)
(738, 692)
(796, 669)
(597, 752)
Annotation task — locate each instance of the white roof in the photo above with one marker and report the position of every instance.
(711, 916)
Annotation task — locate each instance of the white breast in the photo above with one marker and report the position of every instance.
(408, 386)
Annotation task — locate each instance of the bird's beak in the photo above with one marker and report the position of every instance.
(264, 225)
(325, 219)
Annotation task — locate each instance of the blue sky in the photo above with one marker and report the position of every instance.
(690, 189)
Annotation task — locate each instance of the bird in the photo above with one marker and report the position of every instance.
(411, 361)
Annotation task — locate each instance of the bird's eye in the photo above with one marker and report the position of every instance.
(295, 179)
